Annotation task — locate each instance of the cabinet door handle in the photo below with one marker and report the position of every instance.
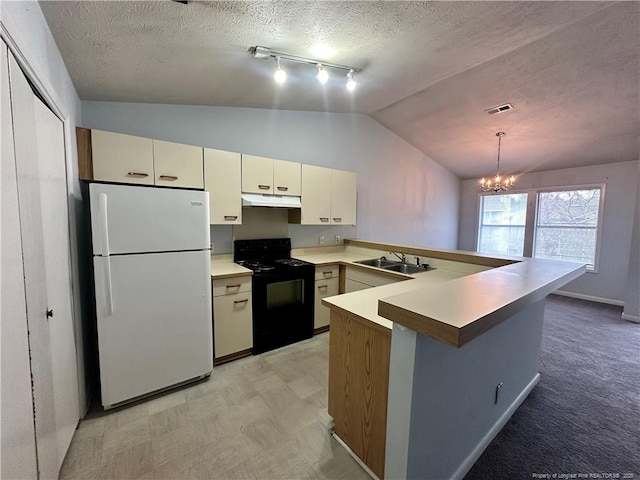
(231, 217)
(324, 219)
(171, 178)
(236, 302)
(137, 174)
(283, 189)
(233, 286)
(264, 187)
(327, 274)
(337, 219)
(322, 287)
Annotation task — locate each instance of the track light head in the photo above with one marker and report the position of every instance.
(351, 83)
(323, 75)
(280, 75)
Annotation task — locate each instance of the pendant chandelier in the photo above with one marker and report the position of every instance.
(497, 183)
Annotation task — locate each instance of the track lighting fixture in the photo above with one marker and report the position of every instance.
(280, 75)
(351, 83)
(323, 75)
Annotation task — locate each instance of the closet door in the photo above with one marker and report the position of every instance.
(55, 227)
(44, 230)
(18, 457)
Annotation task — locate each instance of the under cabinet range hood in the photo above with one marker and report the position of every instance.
(277, 201)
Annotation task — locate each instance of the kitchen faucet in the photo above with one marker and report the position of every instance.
(402, 258)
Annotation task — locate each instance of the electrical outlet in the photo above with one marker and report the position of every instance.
(321, 240)
(337, 238)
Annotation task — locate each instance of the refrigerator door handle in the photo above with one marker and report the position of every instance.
(104, 224)
(108, 289)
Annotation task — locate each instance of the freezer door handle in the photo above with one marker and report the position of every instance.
(104, 224)
(108, 289)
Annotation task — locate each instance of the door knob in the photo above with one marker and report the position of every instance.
(49, 313)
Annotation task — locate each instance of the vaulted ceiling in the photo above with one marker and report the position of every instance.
(430, 70)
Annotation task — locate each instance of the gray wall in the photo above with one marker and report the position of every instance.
(632, 296)
(403, 196)
(442, 412)
(621, 179)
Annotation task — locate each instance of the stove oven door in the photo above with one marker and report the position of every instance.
(283, 306)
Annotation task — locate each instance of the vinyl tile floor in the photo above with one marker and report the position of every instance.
(262, 417)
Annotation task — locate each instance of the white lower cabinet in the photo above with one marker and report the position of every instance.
(232, 318)
(358, 279)
(326, 286)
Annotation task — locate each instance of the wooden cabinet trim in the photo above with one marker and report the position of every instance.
(85, 156)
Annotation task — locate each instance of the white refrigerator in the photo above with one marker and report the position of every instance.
(152, 275)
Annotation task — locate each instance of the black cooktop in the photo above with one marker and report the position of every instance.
(266, 255)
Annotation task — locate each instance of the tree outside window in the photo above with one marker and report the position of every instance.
(567, 225)
(502, 224)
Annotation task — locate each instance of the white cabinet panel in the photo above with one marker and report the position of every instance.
(343, 197)
(122, 158)
(232, 315)
(316, 195)
(257, 174)
(177, 165)
(354, 286)
(326, 286)
(356, 277)
(222, 179)
(228, 286)
(328, 196)
(233, 324)
(265, 175)
(286, 178)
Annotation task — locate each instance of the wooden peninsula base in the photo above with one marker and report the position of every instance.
(359, 354)
(424, 373)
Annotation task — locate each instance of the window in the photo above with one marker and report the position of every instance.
(567, 226)
(564, 225)
(502, 224)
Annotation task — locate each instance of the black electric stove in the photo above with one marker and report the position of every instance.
(282, 292)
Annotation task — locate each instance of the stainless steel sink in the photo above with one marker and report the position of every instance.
(405, 268)
(392, 266)
(377, 262)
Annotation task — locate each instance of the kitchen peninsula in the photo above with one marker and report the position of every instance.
(424, 373)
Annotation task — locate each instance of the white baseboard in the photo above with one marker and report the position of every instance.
(355, 457)
(468, 462)
(591, 298)
(631, 318)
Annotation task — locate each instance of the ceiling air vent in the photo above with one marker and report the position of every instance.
(500, 109)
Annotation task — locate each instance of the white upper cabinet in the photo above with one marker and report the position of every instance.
(257, 174)
(222, 179)
(265, 175)
(343, 197)
(122, 158)
(286, 178)
(316, 195)
(177, 165)
(128, 159)
(328, 197)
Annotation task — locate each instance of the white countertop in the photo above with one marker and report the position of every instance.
(452, 306)
(448, 304)
(222, 266)
(364, 303)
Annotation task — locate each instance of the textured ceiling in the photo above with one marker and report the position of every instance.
(430, 69)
